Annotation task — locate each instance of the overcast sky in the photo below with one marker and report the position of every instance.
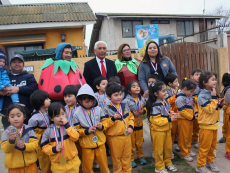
(140, 6)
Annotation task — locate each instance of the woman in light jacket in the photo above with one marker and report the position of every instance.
(152, 63)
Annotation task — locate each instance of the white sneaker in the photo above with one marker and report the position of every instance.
(202, 170)
(196, 145)
(213, 167)
(153, 154)
(192, 154)
(95, 165)
(161, 171)
(172, 156)
(188, 158)
(177, 148)
(171, 168)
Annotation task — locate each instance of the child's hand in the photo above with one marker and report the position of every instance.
(99, 125)
(136, 114)
(174, 117)
(116, 115)
(225, 107)
(141, 111)
(213, 92)
(130, 131)
(20, 144)
(11, 136)
(146, 93)
(58, 148)
(92, 129)
(64, 121)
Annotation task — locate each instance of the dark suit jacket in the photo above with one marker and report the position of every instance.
(92, 71)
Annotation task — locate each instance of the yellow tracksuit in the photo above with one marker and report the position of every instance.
(20, 160)
(185, 123)
(48, 145)
(160, 125)
(208, 118)
(119, 143)
(196, 128)
(171, 99)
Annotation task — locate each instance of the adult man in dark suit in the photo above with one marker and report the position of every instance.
(99, 66)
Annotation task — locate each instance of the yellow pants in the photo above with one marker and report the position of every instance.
(71, 166)
(185, 136)
(137, 143)
(79, 149)
(228, 136)
(174, 131)
(196, 129)
(29, 169)
(225, 124)
(162, 146)
(207, 145)
(44, 161)
(88, 156)
(120, 147)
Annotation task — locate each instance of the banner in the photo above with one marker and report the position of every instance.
(145, 34)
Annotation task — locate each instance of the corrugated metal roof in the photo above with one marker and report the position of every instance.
(40, 13)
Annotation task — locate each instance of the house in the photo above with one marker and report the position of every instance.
(44, 26)
(118, 28)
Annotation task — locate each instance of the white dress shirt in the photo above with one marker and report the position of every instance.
(99, 63)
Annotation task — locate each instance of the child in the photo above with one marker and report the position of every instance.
(195, 75)
(100, 83)
(185, 105)
(152, 79)
(119, 139)
(226, 95)
(209, 115)
(91, 122)
(39, 121)
(171, 81)
(117, 80)
(19, 143)
(136, 103)
(158, 112)
(5, 81)
(58, 141)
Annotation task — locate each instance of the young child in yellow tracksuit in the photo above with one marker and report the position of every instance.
(40, 122)
(185, 105)
(171, 81)
(209, 115)
(58, 141)
(136, 103)
(90, 120)
(119, 138)
(226, 95)
(159, 116)
(195, 75)
(19, 143)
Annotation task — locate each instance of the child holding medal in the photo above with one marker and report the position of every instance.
(187, 114)
(90, 120)
(136, 103)
(39, 121)
(160, 118)
(119, 138)
(19, 143)
(58, 141)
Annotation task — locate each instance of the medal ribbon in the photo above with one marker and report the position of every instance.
(120, 112)
(56, 138)
(138, 105)
(44, 119)
(103, 99)
(155, 68)
(172, 91)
(165, 106)
(20, 132)
(70, 119)
(94, 115)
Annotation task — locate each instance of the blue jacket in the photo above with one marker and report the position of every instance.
(59, 49)
(4, 78)
(27, 85)
(144, 71)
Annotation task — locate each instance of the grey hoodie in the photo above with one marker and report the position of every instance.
(129, 100)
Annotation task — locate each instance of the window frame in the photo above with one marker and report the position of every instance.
(159, 22)
(132, 27)
(184, 27)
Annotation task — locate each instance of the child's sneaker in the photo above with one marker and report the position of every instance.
(196, 145)
(173, 156)
(213, 167)
(153, 154)
(202, 170)
(188, 158)
(142, 161)
(171, 168)
(222, 140)
(95, 165)
(192, 154)
(177, 148)
(134, 165)
(161, 171)
(227, 155)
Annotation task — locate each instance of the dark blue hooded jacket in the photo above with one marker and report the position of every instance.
(59, 49)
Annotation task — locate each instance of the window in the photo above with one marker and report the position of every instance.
(184, 28)
(128, 28)
(159, 22)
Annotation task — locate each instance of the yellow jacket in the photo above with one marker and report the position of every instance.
(195, 98)
(15, 157)
(172, 98)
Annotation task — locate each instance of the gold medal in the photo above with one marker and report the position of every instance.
(62, 160)
(126, 132)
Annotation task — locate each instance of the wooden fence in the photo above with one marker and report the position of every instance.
(187, 56)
